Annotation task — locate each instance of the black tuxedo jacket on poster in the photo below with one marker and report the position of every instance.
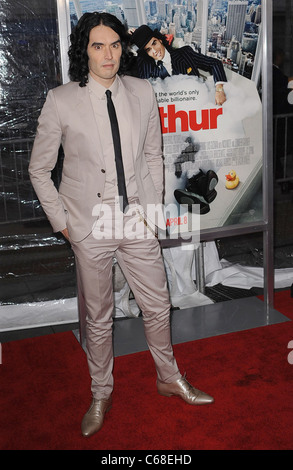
(184, 61)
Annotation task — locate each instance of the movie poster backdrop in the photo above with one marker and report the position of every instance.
(199, 136)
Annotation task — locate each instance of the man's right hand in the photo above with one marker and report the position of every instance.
(65, 233)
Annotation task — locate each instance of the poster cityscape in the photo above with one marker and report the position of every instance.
(233, 27)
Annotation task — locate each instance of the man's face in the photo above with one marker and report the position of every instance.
(155, 49)
(104, 52)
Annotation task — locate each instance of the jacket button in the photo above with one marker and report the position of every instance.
(99, 194)
(103, 171)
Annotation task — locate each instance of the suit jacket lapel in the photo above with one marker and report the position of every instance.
(87, 118)
(135, 114)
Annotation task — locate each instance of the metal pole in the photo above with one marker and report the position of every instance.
(199, 259)
(268, 180)
(64, 33)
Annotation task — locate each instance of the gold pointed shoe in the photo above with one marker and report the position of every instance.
(94, 417)
(184, 390)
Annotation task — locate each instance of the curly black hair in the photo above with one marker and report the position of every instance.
(79, 38)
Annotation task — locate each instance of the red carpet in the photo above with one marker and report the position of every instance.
(45, 392)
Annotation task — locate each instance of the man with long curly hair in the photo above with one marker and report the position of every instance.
(79, 116)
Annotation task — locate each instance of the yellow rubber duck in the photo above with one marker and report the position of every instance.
(232, 180)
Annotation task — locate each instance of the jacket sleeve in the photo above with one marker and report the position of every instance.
(43, 160)
(207, 63)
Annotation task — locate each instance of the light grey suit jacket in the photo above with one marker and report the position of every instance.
(67, 118)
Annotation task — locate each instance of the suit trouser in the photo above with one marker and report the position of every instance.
(141, 262)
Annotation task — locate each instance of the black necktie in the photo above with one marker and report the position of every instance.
(117, 149)
(162, 70)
